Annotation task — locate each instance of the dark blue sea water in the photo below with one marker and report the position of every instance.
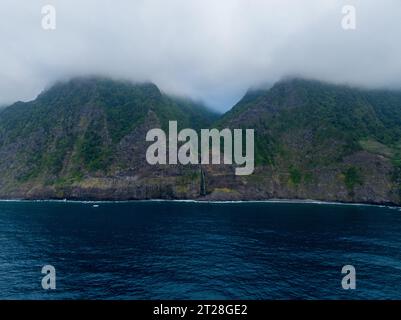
(170, 250)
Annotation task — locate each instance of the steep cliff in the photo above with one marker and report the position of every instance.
(85, 139)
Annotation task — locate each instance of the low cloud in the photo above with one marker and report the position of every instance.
(210, 50)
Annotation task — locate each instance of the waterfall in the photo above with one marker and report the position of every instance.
(202, 182)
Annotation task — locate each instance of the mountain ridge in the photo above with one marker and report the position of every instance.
(85, 139)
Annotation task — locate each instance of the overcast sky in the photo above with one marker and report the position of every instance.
(212, 50)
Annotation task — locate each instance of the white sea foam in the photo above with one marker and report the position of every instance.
(283, 201)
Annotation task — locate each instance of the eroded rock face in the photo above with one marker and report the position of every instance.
(85, 139)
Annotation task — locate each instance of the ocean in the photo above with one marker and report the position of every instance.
(188, 250)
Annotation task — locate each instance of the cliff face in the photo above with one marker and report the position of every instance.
(85, 139)
(323, 142)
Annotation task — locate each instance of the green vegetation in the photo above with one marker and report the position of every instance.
(352, 177)
(307, 134)
(74, 128)
(295, 176)
(377, 148)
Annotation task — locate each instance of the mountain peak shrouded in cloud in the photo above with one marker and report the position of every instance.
(208, 50)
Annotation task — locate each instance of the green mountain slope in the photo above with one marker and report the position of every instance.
(85, 139)
(320, 141)
(85, 133)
